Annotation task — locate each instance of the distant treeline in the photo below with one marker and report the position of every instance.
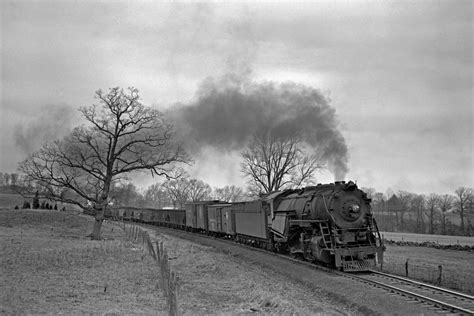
(443, 214)
(402, 211)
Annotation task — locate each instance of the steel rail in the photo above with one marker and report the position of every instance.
(417, 296)
(433, 287)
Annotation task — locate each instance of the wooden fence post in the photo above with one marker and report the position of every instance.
(151, 250)
(440, 274)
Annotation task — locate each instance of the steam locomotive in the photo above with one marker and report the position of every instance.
(329, 223)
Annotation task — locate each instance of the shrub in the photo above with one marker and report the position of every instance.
(36, 203)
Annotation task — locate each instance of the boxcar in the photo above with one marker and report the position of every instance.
(113, 212)
(228, 220)
(120, 213)
(127, 214)
(137, 215)
(215, 218)
(108, 213)
(177, 218)
(146, 215)
(158, 217)
(191, 219)
(250, 219)
(196, 214)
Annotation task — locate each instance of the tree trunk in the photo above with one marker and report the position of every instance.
(99, 218)
(100, 207)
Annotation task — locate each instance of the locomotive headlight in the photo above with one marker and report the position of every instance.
(351, 210)
(354, 209)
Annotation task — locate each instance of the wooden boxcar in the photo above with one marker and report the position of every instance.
(217, 219)
(137, 213)
(228, 220)
(191, 219)
(127, 214)
(146, 215)
(108, 213)
(196, 214)
(177, 218)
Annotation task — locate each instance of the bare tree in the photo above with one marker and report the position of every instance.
(229, 193)
(178, 191)
(199, 190)
(14, 179)
(185, 189)
(418, 205)
(121, 136)
(432, 202)
(446, 202)
(6, 177)
(272, 163)
(157, 196)
(463, 195)
(405, 200)
(125, 194)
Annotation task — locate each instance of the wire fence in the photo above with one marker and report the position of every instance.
(437, 275)
(169, 280)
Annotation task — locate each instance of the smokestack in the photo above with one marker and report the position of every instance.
(228, 111)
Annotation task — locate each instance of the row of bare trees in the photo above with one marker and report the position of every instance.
(432, 214)
(8, 181)
(173, 193)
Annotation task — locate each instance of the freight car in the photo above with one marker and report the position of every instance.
(331, 224)
(174, 218)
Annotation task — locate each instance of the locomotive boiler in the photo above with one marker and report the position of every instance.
(330, 223)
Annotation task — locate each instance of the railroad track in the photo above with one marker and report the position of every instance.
(441, 298)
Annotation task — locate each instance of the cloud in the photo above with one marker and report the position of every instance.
(53, 122)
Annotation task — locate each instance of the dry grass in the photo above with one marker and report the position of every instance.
(10, 200)
(49, 266)
(215, 283)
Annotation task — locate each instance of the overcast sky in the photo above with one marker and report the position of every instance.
(398, 73)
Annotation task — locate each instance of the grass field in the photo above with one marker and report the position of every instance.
(9, 200)
(49, 266)
(423, 262)
(438, 239)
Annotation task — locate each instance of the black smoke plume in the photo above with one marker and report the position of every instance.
(228, 111)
